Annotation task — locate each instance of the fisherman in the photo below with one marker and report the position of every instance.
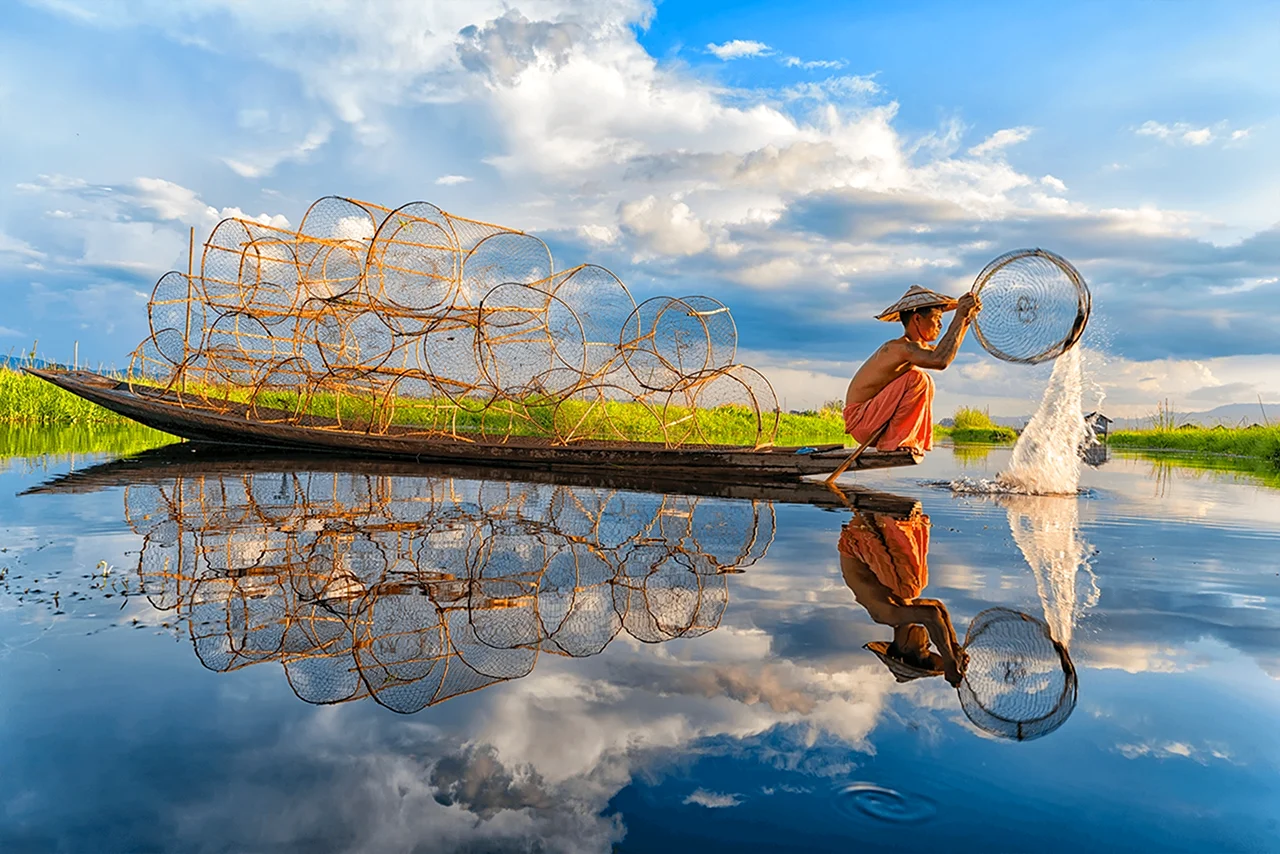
(890, 390)
(884, 561)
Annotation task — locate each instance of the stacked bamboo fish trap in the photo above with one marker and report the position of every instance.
(416, 322)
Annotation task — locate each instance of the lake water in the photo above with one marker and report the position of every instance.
(321, 657)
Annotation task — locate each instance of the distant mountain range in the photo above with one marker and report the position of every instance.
(17, 363)
(1231, 415)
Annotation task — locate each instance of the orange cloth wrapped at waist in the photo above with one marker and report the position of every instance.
(895, 549)
(906, 405)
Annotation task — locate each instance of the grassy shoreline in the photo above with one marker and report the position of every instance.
(1252, 469)
(29, 400)
(1260, 443)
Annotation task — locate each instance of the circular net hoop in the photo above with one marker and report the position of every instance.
(1020, 682)
(1035, 306)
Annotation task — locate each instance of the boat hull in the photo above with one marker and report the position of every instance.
(164, 412)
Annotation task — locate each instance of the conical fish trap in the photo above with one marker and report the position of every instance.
(1020, 682)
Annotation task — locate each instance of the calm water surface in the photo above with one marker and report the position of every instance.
(204, 659)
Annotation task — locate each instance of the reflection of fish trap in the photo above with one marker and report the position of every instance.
(1020, 682)
(413, 590)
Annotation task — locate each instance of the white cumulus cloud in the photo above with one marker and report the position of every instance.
(1001, 139)
(262, 163)
(667, 226)
(739, 48)
(1184, 133)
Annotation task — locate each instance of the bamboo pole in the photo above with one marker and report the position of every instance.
(844, 466)
(186, 334)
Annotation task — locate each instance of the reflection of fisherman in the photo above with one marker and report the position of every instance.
(883, 558)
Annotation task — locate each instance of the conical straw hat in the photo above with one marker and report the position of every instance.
(917, 297)
(901, 670)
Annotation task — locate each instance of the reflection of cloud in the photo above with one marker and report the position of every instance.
(476, 780)
(1173, 750)
(712, 800)
(1136, 658)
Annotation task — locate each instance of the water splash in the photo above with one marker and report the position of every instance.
(1046, 459)
(1047, 531)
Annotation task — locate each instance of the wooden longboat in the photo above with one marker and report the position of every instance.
(712, 463)
(193, 459)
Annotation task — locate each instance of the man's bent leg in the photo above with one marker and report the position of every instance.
(905, 405)
(911, 425)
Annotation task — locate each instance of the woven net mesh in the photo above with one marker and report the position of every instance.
(416, 322)
(1020, 682)
(414, 589)
(1035, 306)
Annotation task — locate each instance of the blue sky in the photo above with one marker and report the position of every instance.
(803, 163)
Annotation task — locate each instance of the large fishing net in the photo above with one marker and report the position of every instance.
(415, 322)
(414, 589)
(1020, 682)
(1034, 306)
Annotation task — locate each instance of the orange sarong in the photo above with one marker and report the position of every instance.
(906, 405)
(896, 549)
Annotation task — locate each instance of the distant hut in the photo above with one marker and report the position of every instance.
(1099, 424)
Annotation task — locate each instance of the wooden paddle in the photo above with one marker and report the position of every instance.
(853, 458)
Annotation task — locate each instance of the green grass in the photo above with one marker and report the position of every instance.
(615, 419)
(25, 399)
(1262, 443)
(39, 420)
(973, 426)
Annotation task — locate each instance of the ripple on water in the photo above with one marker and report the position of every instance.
(859, 799)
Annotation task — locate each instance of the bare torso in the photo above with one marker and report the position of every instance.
(885, 365)
(913, 350)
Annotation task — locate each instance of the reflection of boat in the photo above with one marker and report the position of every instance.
(191, 460)
(412, 589)
(238, 425)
